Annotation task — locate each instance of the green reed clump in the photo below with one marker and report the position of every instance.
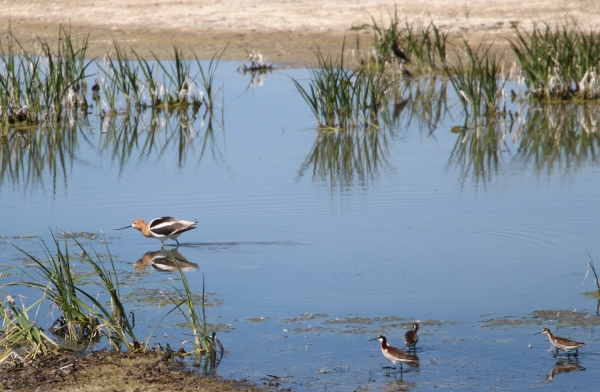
(340, 97)
(20, 337)
(84, 316)
(385, 35)
(19, 83)
(561, 62)
(150, 83)
(121, 76)
(64, 69)
(479, 81)
(38, 83)
(208, 79)
(423, 44)
(59, 286)
(205, 342)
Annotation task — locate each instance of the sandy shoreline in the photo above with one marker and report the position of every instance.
(286, 31)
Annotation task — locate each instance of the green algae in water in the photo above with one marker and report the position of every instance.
(158, 296)
(562, 318)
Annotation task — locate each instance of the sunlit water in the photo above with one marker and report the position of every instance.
(306, 262)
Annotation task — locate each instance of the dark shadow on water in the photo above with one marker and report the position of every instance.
(235, 244)
(400, 385)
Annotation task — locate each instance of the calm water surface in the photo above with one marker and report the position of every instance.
(308, 254)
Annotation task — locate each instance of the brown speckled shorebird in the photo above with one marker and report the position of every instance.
(564, 344)
(394, 354)
(411, 337)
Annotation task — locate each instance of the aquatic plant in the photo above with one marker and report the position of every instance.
(423, 44)
(342, 98)
(21, 339)
(257, 63)
(205, 343)
(478, 82)
(208, 79)
(84, 316)
(559, 62)
(38, 83)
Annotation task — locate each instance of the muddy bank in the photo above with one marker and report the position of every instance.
(111, 371)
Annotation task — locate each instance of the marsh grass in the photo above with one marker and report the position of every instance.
(84, 317)
(205, 343)
(424, 44)
(478, 81)
(593, 268)
(21, 339)
(208, 79)
(559, 62)
(38, 84)
(341, 98)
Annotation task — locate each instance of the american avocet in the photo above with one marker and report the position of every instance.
(563, 344)
(411, 337)
(394, 354)
(162, 228)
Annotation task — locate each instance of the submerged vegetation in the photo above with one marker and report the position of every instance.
(85, 317)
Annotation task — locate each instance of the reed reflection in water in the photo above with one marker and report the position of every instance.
(559, 137)
(49, 150)
(550, 137)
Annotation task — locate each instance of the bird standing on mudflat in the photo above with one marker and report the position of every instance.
(163, 228)
(394, 354)
(411, 337)
(564, 344)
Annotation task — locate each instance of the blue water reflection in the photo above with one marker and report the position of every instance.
(420, 220)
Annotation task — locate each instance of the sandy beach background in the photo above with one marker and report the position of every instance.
(285, 31)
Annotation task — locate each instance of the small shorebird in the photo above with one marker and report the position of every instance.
(411, 337)
(394, 354)
(96, 86)
(162, 228)
(564, 344)
(399, 52)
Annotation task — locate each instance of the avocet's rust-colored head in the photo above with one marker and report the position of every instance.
(138, 224)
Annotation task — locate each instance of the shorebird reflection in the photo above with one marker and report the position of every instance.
(564, 367)
(164, 260)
